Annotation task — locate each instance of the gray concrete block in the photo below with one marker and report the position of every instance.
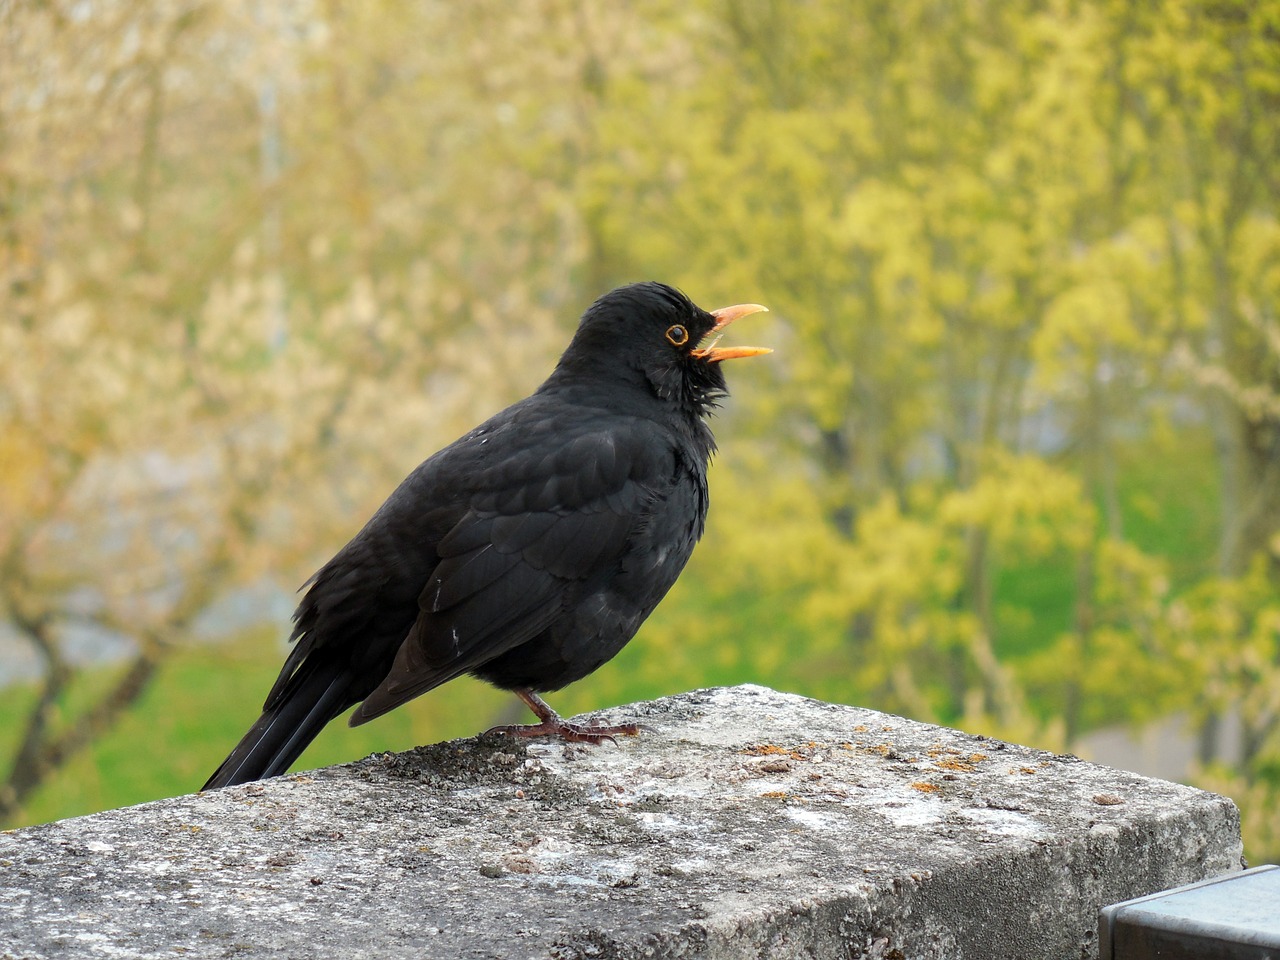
(744, 823)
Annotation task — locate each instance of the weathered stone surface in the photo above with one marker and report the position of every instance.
(744, 823)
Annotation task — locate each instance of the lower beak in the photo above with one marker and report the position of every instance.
(725, 316)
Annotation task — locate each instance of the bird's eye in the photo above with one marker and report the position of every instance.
(677, 335)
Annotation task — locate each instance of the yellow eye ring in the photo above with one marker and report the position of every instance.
(677, 335)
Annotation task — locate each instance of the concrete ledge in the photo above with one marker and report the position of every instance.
(746, 823)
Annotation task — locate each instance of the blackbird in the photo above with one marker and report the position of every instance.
(528, 552)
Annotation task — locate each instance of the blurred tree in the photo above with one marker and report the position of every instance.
(917, 205)
(255, 260)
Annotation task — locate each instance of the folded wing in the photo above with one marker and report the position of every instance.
(518, 558)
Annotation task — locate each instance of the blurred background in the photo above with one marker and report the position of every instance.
(1014, 467)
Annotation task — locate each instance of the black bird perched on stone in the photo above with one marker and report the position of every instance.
(528, 552)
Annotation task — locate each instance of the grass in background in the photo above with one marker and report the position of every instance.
(202, 701)
(1169, 498)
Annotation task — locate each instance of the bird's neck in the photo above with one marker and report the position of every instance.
(629, 391)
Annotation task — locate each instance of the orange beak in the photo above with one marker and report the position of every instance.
(725, 316)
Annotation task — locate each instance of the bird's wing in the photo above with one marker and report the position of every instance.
(537, 524)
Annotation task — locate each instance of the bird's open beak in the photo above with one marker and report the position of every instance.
(725, 316)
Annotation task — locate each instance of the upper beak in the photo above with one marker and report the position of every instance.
(725, 316)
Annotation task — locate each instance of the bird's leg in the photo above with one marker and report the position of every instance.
(553, 725)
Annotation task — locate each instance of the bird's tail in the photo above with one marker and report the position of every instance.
(288, 724)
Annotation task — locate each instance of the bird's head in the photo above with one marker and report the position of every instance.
(652, 332)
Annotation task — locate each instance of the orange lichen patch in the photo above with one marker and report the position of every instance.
(926, 787)
(776, 794)
(959, 764)
(882, 748)
(861, 728)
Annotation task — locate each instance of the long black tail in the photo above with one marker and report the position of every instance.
(312, 698)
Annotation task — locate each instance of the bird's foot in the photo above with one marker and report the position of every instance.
(569, 732)
(553, 725)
